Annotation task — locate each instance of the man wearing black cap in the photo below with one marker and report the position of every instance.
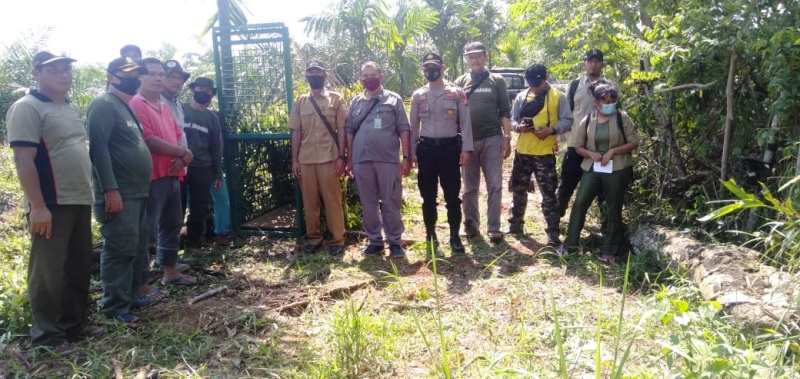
(581, 102)
(318, 157)
(490, 112)
(47, 136)
(202, 129)
(538, 114)
(441, 141)
(121, 182)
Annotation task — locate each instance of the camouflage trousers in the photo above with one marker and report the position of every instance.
(543, 167)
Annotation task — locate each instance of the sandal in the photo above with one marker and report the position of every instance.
(606, 258)
(181, 280)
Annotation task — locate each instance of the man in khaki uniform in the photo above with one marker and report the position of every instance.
(318, 158)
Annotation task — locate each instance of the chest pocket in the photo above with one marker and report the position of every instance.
(424, 107)
(385, 112)
(450, 109)
(308, 116)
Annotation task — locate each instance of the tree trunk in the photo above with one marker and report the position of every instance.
(729, 121)
(755, 296)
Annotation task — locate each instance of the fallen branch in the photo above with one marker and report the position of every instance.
(207, 294)
(399, 307)
(335, 292)
(686, 86)
(755, 296)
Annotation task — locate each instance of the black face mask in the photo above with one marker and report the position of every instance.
(432, 74)
(127, 85)
(316, 82)
(201, 97)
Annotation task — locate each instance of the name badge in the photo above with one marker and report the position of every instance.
(377, 123)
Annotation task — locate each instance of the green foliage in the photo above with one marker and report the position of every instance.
(779, 238)
(702, 345)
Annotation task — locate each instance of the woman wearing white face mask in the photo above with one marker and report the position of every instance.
(605, 139)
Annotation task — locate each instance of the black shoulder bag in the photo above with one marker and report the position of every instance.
(325, 121)
(375, 102)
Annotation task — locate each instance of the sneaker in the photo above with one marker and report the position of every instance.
(126, 318)
(396, 251)
(495, 237)
(374, 250)
(310, 248)
(456, 245)
(336, 250)
(471, 231)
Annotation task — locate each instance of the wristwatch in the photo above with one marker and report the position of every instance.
(405, 157)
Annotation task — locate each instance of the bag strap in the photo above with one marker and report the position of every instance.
(375, 102)
(619, 125)
(324, 120)
(473, 88)
(573, 87)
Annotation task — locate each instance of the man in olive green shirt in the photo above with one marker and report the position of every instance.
(121, 182)
(490, 112)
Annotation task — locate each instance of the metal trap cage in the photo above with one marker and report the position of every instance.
(254, 81)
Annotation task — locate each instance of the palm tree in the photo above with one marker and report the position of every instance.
(395, 35)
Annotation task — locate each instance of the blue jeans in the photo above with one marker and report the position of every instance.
(222, 209)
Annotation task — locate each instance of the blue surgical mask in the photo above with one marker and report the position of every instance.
(609, 109)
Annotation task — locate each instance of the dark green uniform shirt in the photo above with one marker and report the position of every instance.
(487, 104)
(119, 154)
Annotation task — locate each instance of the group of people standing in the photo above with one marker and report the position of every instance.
(148, 156)
(463, 128)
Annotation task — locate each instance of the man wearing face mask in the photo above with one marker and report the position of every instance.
(202, 128)
(121, 182)
(490, 112)
(318, 157)
(538, 114)
(441, 142)
(376, 127)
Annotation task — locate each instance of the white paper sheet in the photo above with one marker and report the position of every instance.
(607, 169)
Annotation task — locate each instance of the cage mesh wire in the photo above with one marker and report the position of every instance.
(253, 64)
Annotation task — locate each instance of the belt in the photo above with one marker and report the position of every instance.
(438, 141)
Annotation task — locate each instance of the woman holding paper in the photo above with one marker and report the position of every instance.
(605, 138)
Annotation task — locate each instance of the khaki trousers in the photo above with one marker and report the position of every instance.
(319, 181)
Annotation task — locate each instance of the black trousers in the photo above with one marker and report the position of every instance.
(196, 187)
(571, 173)
(438, 162)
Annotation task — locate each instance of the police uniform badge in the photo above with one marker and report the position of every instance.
(451, 112)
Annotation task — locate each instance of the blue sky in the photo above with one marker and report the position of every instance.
(92, 31)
